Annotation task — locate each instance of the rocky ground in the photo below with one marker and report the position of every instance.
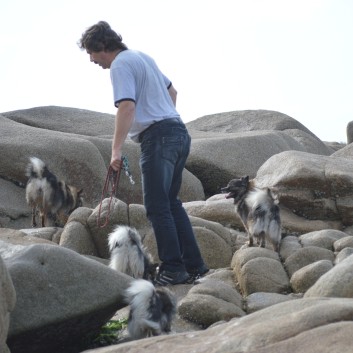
(55, 286)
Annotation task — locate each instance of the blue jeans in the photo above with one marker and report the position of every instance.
(165, 147)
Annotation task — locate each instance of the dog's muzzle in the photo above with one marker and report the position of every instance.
(224, 190)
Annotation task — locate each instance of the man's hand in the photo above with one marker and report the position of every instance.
(116, 161)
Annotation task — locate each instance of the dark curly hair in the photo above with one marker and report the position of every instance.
(101, 37)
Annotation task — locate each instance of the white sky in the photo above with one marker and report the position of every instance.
(292, 56)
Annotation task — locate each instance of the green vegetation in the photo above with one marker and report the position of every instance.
(109, 333)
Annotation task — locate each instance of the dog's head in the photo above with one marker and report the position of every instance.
(168, 303)
(236, 188)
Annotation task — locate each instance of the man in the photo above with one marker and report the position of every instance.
(146, 100)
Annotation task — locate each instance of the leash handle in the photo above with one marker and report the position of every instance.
(112, 179)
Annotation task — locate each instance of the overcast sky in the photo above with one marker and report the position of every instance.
(291, 56)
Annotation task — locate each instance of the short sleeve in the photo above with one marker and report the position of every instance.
(124, 85)
(167, 82)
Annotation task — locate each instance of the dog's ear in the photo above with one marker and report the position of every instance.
(245, 180)
(273, 195)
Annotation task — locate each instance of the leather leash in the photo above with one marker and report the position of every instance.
(112, 183)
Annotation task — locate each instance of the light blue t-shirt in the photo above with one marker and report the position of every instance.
(136, 77)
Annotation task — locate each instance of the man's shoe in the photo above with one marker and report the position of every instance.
(197, 273)
(165, 278)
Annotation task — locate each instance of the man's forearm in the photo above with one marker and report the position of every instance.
(123, 121)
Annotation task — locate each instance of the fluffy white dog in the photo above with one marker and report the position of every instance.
(128, 255)
(152, 310)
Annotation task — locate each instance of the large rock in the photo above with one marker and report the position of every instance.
(216, 227)
(17, 239)
(324, 238)
(65, 155)
(260, 300)
(103, 220)
(220, 210)
(306, 256)
(242, 256)
(344, 152)
(61, 297)
(313, 187)
(251, 136)
(259, 270)
(215, 251)
(209, 302)
(77, 237)
(52, 234)
(213, 241)
(263, 275)
(338, 282)
(320, 325)
(289, 245)
(305, 277)
(342, 243)
(260, 120)
(294, 224)
(7, 304)
(68, 120)
(12, 204)
(219, 289)
(249, 150)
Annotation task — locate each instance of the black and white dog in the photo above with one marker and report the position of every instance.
(258, 209)
(128, 255)
(152, 310)
(48, 195)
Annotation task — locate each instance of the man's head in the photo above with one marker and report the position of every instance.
(101, 43)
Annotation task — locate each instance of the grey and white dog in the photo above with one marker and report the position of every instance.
(152, 310)
(129, 255)
(258, 210)
(48, 195)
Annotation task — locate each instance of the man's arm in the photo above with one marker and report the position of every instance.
(123, 120)
(173, 94)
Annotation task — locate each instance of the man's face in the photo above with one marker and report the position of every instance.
(102, 58)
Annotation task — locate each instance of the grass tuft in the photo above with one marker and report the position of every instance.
(109, 333)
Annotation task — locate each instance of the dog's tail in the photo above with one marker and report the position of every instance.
(124, 235)
(36, 168)
(144, 320)
(135, 237)
(149, 265)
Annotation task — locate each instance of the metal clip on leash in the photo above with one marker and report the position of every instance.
(127, 170)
